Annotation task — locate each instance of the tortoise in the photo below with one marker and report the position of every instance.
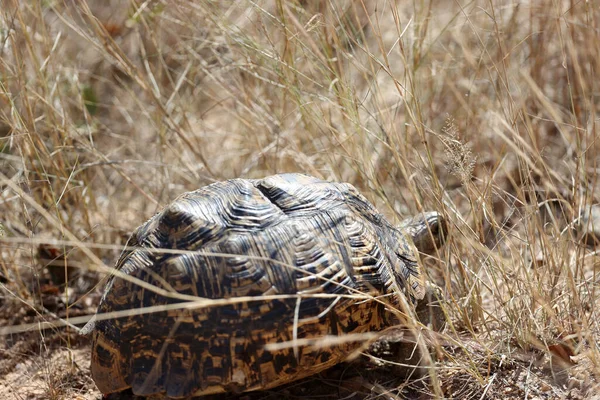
(224, 272)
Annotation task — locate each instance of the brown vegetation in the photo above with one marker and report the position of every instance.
(484, 110)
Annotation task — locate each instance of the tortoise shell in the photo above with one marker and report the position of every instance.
(227, 270)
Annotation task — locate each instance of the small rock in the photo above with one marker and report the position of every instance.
(588, 225)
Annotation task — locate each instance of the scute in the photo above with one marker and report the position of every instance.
(299, 194)
(287, 234)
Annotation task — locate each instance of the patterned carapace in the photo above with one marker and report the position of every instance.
(297, 257)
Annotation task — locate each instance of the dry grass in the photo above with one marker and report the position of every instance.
(485, 110)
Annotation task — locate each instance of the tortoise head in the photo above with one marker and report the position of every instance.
(428, 231)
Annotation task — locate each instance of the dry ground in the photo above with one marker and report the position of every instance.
(484, 110)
